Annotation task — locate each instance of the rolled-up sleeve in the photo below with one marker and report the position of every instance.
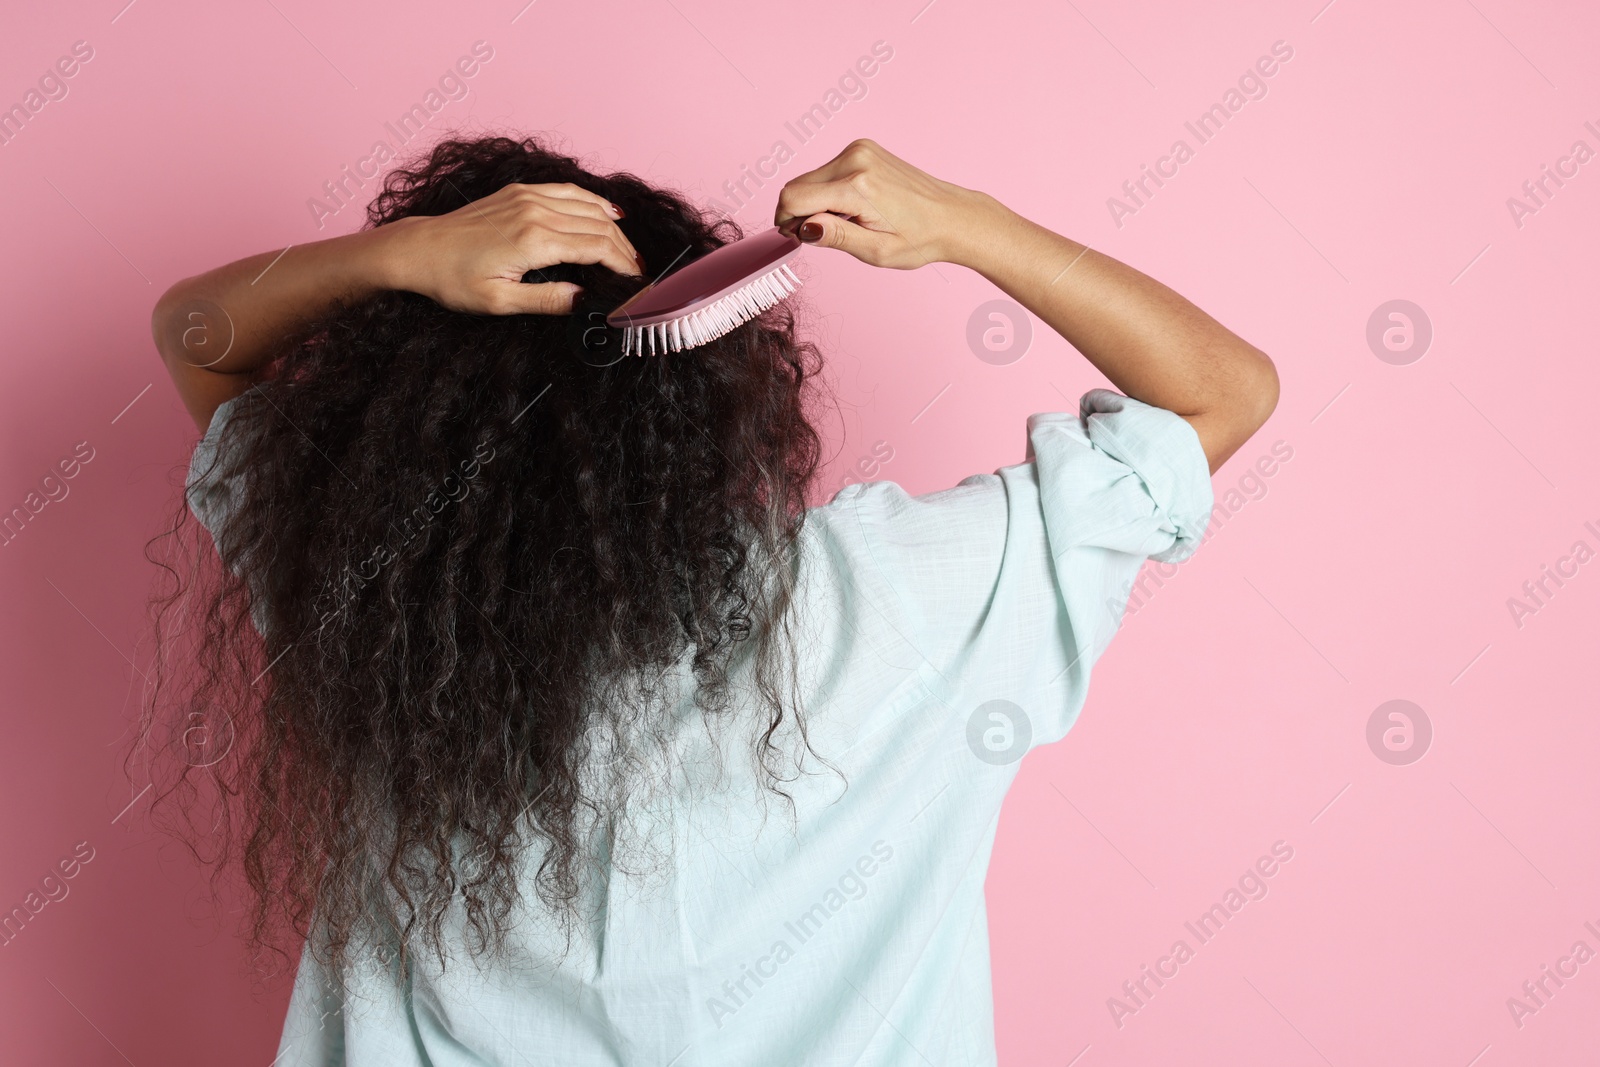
(212, 485)
(214, 490)
(1011, 585)
(1123, 475)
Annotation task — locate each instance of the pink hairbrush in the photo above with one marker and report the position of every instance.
(718, 292)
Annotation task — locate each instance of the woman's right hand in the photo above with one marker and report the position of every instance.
(1154, 345)
(473, 258)
(882, 210)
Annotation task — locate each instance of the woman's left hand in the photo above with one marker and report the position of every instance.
(473, 258)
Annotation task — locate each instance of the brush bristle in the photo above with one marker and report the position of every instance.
(713, 320)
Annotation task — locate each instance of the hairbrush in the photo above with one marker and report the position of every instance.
(715, 294)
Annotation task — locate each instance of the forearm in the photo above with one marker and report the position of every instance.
(215, 331)
(264, 297)
(1152, 344)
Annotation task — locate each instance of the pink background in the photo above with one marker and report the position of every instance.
(1230, 714)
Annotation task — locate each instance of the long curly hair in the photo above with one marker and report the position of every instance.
(463, 554)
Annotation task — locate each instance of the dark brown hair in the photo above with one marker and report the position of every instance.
(475, 546)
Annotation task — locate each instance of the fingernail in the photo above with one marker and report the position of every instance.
(637, 258)
(810, 231)
(615, 210)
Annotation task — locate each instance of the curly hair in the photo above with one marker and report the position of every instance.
(463, 554)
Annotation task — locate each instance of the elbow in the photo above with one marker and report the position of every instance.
(1265, 389)
(1251, 393)
(1252, 398)
(190, 329)
(163, 319)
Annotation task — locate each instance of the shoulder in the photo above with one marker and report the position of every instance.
(974, 511)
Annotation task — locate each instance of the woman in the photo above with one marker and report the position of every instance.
(536, 697)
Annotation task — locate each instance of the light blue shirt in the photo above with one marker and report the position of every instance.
(942, 637)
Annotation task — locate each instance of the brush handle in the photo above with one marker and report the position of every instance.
(706, 280)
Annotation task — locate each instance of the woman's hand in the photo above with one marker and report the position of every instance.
(473, 258)
(216, 330)
(1153, 344)
(881, 209)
